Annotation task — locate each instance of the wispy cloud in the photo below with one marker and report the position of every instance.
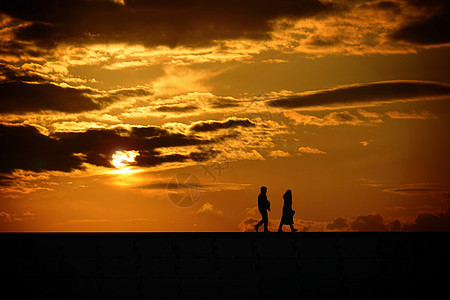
(279, 153)
(208, 209)
(366, 143)
(16, 217)
(310, 150)
(332, 119)
(421, 115)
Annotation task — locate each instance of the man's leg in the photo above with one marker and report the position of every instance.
(262, 220)
(265, 220)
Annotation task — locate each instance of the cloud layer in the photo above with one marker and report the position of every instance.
(424, 222)
(24, 147)
(19, 97)
(189, 22)
(358, 94)
(204, 126)
(431, 30)
(332, 119)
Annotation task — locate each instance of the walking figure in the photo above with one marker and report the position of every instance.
(263, 207)
(288, 212)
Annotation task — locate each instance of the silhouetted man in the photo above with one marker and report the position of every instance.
(263, 207)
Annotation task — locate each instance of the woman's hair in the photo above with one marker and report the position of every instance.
(288, 193)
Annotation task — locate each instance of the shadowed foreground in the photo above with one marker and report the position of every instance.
(224, 265)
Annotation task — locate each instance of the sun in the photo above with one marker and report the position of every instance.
(121, 159)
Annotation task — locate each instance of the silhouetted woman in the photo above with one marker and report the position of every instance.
(288, 212)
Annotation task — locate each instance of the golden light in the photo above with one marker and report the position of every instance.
(121, 159)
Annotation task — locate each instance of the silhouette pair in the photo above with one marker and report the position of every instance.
(264, 206)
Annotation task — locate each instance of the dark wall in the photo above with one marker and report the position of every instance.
(224, 265)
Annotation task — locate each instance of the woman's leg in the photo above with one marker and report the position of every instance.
(280, 228)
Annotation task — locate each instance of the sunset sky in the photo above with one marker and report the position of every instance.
(169, 115)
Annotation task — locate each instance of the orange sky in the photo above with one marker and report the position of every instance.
(137, 116)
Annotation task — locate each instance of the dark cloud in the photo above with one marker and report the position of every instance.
(173, 140)
(338, 223)
(413, 191)
(385, 91)
(149, 159)
(432, 30)
(368, 223)
(176, 108)
(25, 91)
(21, 50)
(99, 145)
(204, 126)
(203, 155)
(343, 117)
(20, 97)
(429, 222)
(158, 186)
(325, 41)
(149, 131)
(395, 226)
(383, 5)
(118, 95)
(131, 92)
(423, 222)
(24, 147)
(5, 180)
(12, 73)
(223, 103)
(419, 189)
(173, 185)
(361, 223)
(187, 22)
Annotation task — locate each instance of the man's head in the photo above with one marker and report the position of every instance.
(263, 190)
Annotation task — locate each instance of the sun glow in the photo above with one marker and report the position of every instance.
(121, 159)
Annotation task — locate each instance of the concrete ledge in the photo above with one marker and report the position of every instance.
(224, 265)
